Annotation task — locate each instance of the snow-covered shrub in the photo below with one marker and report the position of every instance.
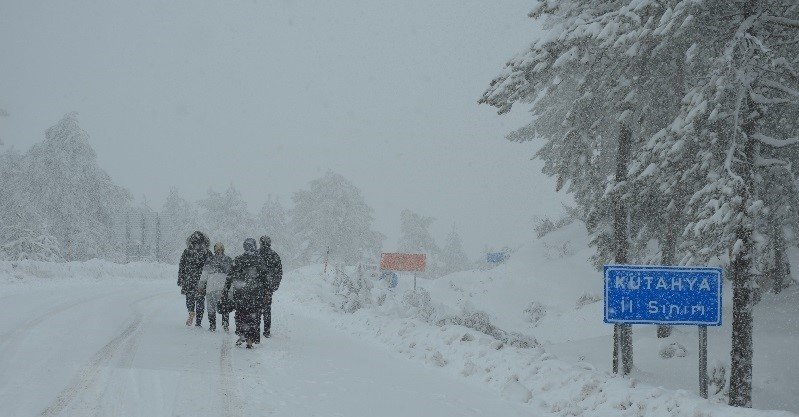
(544, 225)
(420, 302)
(534, 312)
(20, 244)
(355, 291)
(671, 349)
(717, 379)
(587, 298)
(557, 250)
(480, 321)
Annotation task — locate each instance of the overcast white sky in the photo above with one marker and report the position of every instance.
(268, 95)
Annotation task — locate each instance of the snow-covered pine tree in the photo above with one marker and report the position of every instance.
(62, 179)
(24, 232)
(179, 219)
(596, 90)
(128, 243)
(273, 220)
(709, 158)
(727, 131)
(159, 257)
(333, 215)
(415, 237)
(145, 249)
(702, 158)
(452, 254)
(225, 218)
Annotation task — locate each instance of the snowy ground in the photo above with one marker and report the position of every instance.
(117, 347)
(98, 339)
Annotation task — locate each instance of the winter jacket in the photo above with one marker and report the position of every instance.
(192, 261)
(246, 282)
(215, 273)
(273, 266)
(219, 263)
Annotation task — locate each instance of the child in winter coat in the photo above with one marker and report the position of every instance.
(212, 282)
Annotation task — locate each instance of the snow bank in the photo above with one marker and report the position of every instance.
(547, 287)
(460, 338)
(96, 269)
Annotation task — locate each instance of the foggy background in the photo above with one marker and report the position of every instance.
(268, 95)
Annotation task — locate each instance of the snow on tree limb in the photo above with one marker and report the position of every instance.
(784, 21)
(773, 142)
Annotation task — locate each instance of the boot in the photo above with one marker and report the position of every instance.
(190, 319)
(240, 341)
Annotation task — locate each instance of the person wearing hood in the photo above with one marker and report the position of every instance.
(191, 266)
(274, 271)
(247, 280)
(212, 282)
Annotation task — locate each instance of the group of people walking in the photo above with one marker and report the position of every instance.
(244, 285)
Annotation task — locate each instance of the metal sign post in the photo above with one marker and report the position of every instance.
(616, 348)
(703, 361)
(664, 295)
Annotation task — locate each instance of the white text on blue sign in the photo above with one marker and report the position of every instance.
(662, 295)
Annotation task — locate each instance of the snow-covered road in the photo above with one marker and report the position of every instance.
(121, 349)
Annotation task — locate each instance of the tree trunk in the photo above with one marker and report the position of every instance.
(778, 243)
(743, 280)
(622, 332)
(669, 251)
(670, 240)
(741, 354)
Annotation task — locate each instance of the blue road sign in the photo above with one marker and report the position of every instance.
(662, 295)
(495, 257)
(390, 277)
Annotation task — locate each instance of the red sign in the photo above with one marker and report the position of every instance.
(403, 261)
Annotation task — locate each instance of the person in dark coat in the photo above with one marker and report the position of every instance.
(212, 282)
(191, 267)
(274, 272)
(246, 283)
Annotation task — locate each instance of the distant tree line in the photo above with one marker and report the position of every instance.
(57, 204)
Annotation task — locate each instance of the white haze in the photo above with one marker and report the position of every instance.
(268, 95)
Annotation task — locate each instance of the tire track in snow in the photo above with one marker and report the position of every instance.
(124, 361)
(90, 371)
(230, 396)
(88, 374)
